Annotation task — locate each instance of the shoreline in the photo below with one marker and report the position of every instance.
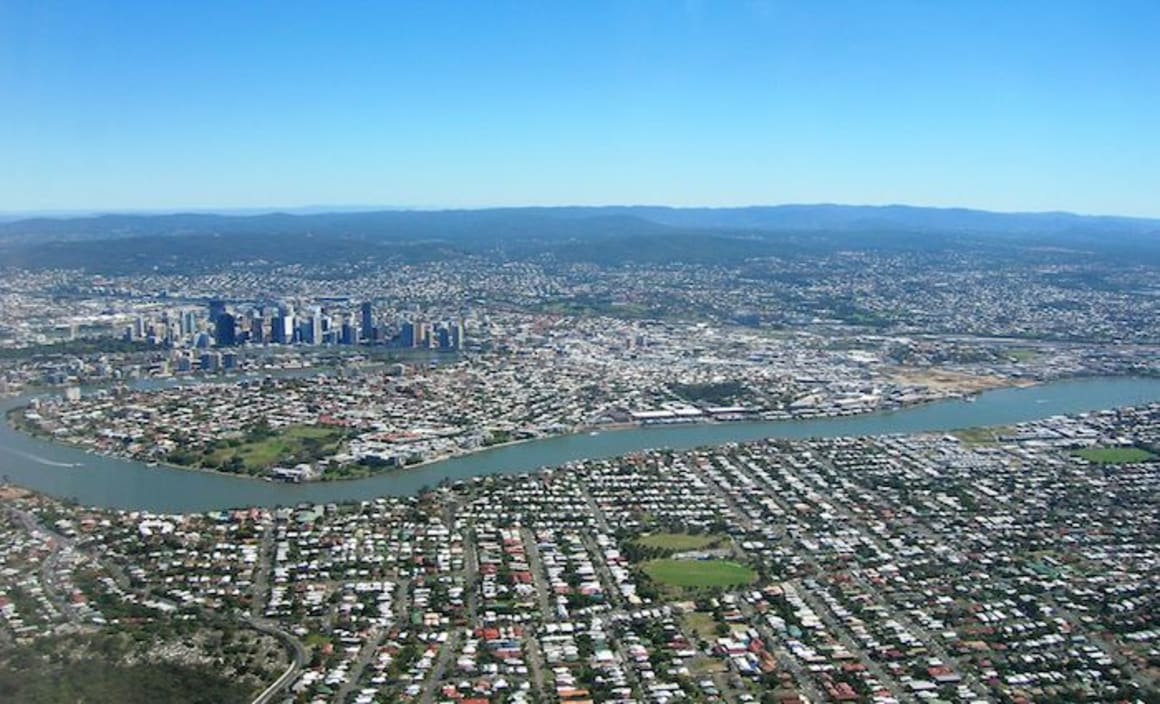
(577, 431)
(127, 485)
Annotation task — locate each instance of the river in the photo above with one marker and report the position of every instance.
(93, 480)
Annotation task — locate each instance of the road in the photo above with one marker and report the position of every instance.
(785, 659)
(448, 649)
(446, 652)
(837, 629)
(298, 656)
(59, 544)
(370, 647)
(537, 567)
(738, 514)
(374, 640)
(547, 612)
(262, 571)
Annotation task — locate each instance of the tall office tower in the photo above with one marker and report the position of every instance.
(368, 321)
(216, 307)
(407, 334)
(315, 326)
(457, 335)
(349, 334)
(188, 322)
(226, 330)
(280, 332)
(257, 333)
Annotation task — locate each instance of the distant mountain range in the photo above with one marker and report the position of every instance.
(601, 234)
(522, 222)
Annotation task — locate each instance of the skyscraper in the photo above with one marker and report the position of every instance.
(225, 330)
(316, 327)
(257, 334)
(348, 333)
(368, 321)
(282, 327)
(458, 338)
(216, 308)
(188, 322)
(407, 334)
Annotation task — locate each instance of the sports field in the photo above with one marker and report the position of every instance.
(698, 573)
(1114, 455)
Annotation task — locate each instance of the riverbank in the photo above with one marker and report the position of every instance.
(14, 414)
(115, 483)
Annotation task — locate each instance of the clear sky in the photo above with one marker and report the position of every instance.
(997, 104)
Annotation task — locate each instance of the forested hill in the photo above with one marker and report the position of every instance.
(604, 235)
(572, 221)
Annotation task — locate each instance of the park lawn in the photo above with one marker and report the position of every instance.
(1114, 455)
(679, 542)
(698, 573)
(307, 441)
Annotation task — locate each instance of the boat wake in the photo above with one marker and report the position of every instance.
(40, 460)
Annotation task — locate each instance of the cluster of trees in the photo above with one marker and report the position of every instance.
(721, 393)
(497, 437)
(37, 681)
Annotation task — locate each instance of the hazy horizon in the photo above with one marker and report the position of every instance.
(70, 213)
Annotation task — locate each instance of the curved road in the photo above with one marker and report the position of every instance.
(298, 658)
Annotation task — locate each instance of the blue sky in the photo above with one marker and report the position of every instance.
(1001, 105)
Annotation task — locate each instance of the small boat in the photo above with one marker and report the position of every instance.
(594, 432)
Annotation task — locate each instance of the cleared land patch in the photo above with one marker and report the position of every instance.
(698, 573)
(945, 380)
(702, 623)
